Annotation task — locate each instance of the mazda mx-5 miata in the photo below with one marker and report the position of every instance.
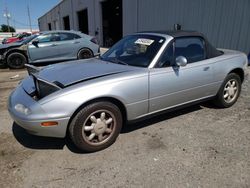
(141, 75)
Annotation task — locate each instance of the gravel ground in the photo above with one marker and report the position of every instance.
(199, 146)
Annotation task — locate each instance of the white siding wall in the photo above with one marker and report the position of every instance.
(65, 9)
(226, 23)
(130, 18)
(70, 8)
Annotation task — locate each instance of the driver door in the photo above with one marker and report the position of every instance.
(45, 49)
(172, 85)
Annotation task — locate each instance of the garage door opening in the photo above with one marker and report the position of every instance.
(49, 26)
(111, 21)
(83, 21)
(66, 23)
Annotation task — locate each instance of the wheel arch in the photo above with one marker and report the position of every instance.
(113, 100)
(15, 51)
(239, 72)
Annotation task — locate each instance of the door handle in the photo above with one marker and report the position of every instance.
(206, 68)
(76, 42)
(53, 45)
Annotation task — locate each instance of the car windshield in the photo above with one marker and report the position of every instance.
(135, 50)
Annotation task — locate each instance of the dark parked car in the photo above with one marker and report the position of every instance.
(14, 55)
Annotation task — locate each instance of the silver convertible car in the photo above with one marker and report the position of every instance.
(141, 75)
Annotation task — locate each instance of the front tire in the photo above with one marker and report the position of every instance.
(96, 126)
(16, 60)
(229, 91)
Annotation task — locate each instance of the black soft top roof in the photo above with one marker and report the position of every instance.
(211, 51)
(177, 33)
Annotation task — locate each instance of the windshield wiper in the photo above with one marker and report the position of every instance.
(117, 61)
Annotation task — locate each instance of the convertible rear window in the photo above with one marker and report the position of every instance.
(191, 47)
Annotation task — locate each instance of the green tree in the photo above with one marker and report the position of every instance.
(4, 28)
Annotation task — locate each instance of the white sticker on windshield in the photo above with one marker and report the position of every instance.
(146, 42)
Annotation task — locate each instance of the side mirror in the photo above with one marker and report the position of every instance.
(181, 61)
(35, 42)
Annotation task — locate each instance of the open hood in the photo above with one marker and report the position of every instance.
(11, 45)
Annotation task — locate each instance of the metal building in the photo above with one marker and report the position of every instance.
(226, 23)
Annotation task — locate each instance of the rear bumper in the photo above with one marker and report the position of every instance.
(32, 122)
(247, 74)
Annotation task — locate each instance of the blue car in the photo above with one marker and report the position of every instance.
(62, 45)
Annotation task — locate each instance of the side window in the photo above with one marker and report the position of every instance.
(191, 47)
(166, 59)
(44, 38)
(55, 37)
(68, 36)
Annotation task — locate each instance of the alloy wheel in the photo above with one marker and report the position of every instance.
(98, 127)
(230, 91)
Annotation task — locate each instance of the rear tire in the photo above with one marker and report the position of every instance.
(85, 54)
(229, 91)
(16, 60)
(96, 126)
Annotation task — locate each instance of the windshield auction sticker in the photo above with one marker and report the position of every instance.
(146, 42)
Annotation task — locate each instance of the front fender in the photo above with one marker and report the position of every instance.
(131, 92)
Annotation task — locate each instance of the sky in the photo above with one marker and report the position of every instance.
(19, 12)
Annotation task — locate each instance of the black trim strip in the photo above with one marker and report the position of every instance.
(79, 81)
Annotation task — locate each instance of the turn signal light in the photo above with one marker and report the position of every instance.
(49, 123)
